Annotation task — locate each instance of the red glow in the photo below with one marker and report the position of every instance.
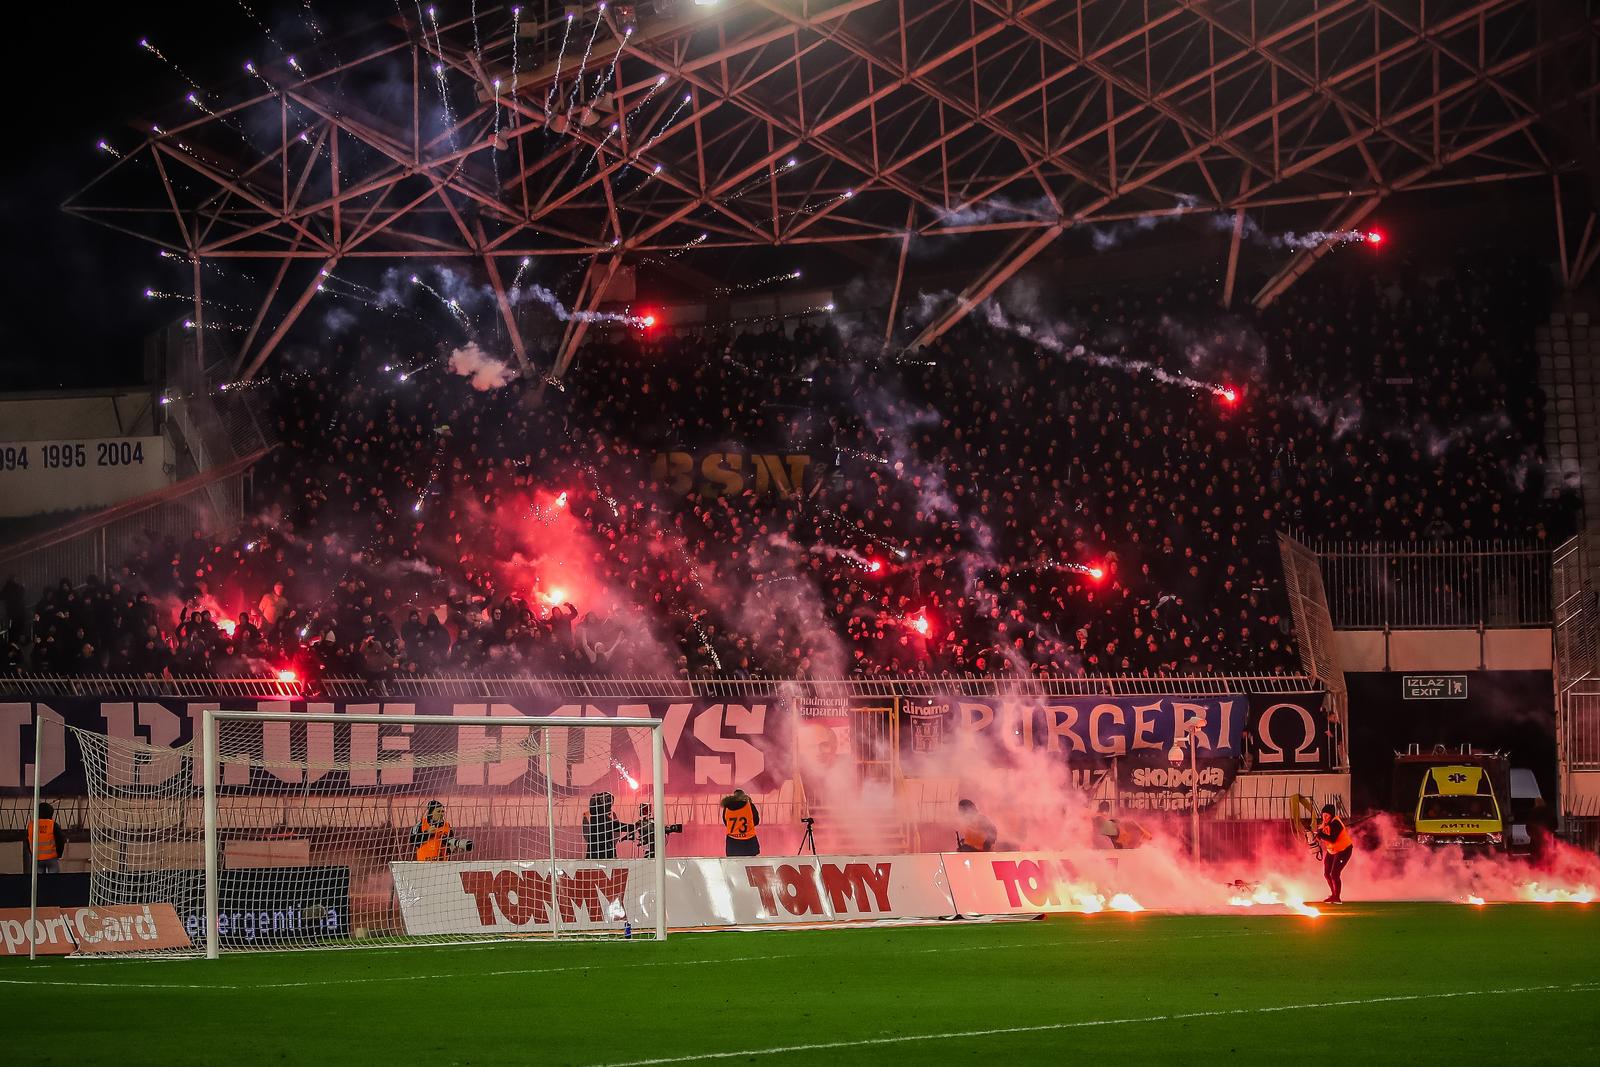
(289, 676)
(561, 501)
(1374, 237)
(227, 626)
(919, 623)
(874, 566)
(1097, 572)
(1229, 395)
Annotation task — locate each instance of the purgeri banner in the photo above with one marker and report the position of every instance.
(1093, 729)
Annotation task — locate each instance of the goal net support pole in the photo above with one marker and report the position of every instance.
(212, 757)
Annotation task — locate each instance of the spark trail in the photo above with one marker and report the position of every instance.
(577, 81)
(550, 94)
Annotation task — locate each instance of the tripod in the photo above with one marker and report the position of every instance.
(810, 837)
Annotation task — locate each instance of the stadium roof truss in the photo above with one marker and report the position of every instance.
(638, 131)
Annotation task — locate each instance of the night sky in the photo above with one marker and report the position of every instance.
(74, 314)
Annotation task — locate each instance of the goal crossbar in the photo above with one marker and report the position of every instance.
(211, 717)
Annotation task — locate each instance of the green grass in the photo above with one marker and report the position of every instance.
(1144, 988)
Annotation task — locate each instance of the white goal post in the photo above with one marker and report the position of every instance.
(313, 829)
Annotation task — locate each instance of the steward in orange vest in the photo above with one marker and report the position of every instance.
(740, 818)
(45, 842)
(1337, 848)
(431, 835)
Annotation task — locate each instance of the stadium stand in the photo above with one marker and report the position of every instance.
(1382, 405)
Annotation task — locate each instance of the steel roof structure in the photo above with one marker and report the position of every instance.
(633, 130)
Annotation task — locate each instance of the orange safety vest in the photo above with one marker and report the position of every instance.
(1340, 843)
(740, 821)
(432, 847)
(46, 849)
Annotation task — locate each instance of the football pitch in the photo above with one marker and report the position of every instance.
(1383, 983)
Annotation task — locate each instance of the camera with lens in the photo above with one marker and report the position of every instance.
(458, 844)
(808, 820)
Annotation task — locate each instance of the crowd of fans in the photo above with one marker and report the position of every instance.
(1001, 502)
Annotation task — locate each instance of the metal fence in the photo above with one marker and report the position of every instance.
(576, 688)
(1438, 586)
(1577, 653)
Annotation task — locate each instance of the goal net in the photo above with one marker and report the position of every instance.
(310, 830)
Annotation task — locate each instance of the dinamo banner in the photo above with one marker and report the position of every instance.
(712, 746)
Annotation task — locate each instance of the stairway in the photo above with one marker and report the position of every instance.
(1569, 373)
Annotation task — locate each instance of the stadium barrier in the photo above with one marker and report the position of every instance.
(499, 897)
(1439, 585)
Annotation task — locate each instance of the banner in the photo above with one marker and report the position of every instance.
(1093, 729)
(127, 928)
(257, 907)
(69, 475)
(478, 897)
(731, 474)
(712, 746)
(52, 933)
(93, 931)
(757, 744)
(1149, 782)
(1289, 731)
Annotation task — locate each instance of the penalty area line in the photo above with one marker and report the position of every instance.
(946, 1035)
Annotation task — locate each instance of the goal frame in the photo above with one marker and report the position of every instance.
(209, 756)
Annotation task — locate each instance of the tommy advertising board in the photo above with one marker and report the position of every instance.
(1027, 883)
(479, 897)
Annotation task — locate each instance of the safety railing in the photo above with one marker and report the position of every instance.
(1436, 586)
(1313, 629)
(480, 686)
(1577, 653)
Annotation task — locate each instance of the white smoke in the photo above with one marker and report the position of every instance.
(485, 371)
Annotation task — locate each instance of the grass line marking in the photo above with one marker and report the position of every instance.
(564, 969)
(866, 1042)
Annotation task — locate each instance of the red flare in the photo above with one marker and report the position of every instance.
(288, 676)
(1374, 237)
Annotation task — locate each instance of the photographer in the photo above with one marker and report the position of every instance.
(602, 829)
(643, 831)
(740, 817)
(430, 837)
